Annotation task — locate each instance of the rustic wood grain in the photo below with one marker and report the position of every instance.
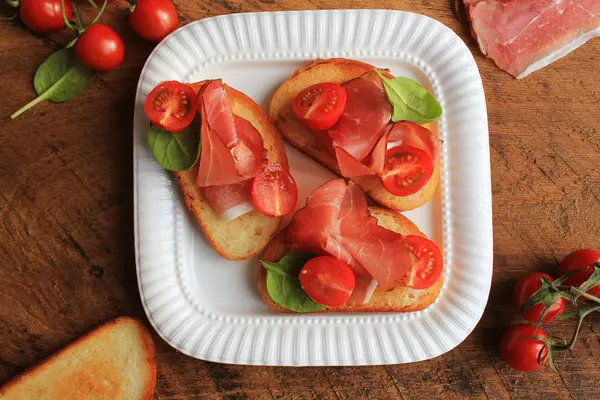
(66, 224)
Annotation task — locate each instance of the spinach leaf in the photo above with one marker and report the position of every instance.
(283, 284)
(410, 101)
(58, 79)
(176, 151)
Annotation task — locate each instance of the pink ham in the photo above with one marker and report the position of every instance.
(232, 153)
(232, 149)
(336, 221)
(522, 36)
(230, 201)
(399, 133)
(368, 111)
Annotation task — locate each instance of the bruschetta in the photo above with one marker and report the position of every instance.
(339, 255)
(229, 183)
(365, 125)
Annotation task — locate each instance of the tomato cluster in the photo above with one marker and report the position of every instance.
(539, 298)
(99, 47)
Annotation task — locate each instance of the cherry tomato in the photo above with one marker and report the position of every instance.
(320, 106)
(171, 106)
(274, 191)
(44, 15)
(327, 280)
(584, 260)
(522, 354)
(525, 288)
(407, 169)
(100, 48)
(427, 270)
(154, 19)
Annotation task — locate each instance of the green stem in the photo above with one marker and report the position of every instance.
(585, 294)
(581, 316)
(13, 3)
(72, 43)
(80, 24)
(11, 17)
(66, 21)
(100, 12)
(93, 3)
(27, 106)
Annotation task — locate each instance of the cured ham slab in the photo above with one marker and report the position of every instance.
(522, 36)
(336, 221)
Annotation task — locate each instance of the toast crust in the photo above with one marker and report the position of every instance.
(87, 378)
(246, 236)
(338, 70)
(399, 299)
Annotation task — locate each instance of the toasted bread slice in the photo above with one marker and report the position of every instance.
(114, 361)
(399, 299)
(338, 70)
(246, 236)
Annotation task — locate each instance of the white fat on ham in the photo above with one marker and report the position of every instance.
(559, 53)
(229, 201)
(370, 290)
(237, 211)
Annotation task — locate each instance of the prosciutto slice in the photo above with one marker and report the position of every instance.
(336, 221)
(395, 134)
(368, 111)
(230, 201)
(522, 36)
(232, 149)
(232, 154)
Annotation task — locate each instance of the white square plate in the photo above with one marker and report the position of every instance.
(209, 307)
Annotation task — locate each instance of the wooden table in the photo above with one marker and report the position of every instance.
(66, 233)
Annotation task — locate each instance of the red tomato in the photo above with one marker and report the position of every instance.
(320, 106)
(44, 15)
(522, 354)
(327, 280)
(171, 106)
(425, 272)
(154, 19)
(100, 48)
(274, 191)
(407, 170)
(525, 288)
(584, 260)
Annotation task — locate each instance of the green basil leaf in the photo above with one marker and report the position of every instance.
(58, 79)
(410, 100)
(176, 151)
(283, 284)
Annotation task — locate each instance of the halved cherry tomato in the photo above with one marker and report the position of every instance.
(407, 169)
(171, 106)
(274, 191)
(327, 280)
(519, 350)
(525, 288)
(319, 106)
(427, 270)
(584, 261)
